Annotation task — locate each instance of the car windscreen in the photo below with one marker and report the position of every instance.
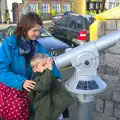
(44, 33)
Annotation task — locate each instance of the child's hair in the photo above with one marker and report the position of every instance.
(37, 58)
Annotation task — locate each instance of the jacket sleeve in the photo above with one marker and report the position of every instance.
(56, 71)
(7, 77)
(43, 81)
(43, 84)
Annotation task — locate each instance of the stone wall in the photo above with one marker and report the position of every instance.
(107, 104)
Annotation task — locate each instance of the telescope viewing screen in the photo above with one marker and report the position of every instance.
(87, 85)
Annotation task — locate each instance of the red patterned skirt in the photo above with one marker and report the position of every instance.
(14, 104)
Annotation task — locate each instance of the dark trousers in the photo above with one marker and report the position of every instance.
(66, 113)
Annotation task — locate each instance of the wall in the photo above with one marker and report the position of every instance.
(107, 104)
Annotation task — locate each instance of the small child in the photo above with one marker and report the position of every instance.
(49, 97)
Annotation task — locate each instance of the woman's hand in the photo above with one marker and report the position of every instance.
(29, 84)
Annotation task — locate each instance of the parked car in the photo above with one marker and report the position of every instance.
(7, 32)
(69, 12)
(52, 44)
(90, 19)
(73, 28)
(59, 16)
(56, 18)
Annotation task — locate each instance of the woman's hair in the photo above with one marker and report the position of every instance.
(37, 58)
(26, 23)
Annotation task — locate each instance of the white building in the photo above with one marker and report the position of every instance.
(12, 6)
(112, 3)
(3, 7)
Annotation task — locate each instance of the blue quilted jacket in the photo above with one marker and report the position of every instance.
(13, 71)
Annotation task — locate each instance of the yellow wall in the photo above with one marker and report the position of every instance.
(80, 6)
(94, 30)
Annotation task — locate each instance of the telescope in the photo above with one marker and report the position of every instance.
(85, 83)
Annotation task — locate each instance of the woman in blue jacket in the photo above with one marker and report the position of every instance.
(16, 52)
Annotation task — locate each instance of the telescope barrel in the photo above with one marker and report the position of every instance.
(101, 44)
(107, 41)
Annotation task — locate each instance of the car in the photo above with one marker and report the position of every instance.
(7, 32)
(57, 17)
(73, 27)
(52, 44)
(69, 12)
(90, 19)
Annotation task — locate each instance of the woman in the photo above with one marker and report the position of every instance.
(17, 51)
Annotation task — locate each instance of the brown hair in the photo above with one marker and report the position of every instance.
(37, 58)
(26, 23)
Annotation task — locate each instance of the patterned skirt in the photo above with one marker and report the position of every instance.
(14, 104)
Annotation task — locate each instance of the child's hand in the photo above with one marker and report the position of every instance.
(28, 85)
(49, 63)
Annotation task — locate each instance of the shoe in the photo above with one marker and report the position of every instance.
(61, 117)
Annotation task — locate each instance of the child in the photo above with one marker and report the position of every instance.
(49, 97)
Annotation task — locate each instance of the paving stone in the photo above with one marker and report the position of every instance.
(117, 105)
(117, 89)
(108, 107)
(99, 116)
(111, 81)
(117, 112)
(116, 96)
(99, 105)
(102, 69)
(106, 94)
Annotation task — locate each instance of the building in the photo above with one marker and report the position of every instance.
(17, 8)
(13, 7)
(45, 6)
(3, 6)
(112, 3)
(89, 6)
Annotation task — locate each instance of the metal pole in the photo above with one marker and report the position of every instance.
(85, 111)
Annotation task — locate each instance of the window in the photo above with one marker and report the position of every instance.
(114, 3)
(23, 11)
(66, 7)
(45, 8)
(32, 7)
(79, 25)
(63, 22)
(72, 24)
(57, 7)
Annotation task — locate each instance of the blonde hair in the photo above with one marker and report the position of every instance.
(37, 58)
